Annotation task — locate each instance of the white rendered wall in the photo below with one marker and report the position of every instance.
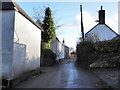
(58, 50)
(62, 51)
(102, 32)
(19, 59)
(27, 38)
(55, 48)
(7, 43)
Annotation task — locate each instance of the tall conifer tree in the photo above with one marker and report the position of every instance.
(48, 27)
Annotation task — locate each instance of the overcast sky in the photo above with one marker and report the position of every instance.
(69, 12)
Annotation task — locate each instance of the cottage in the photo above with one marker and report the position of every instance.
(60, 49)
(101, 31)
(67, 55)
(55, 46)
(21, 40)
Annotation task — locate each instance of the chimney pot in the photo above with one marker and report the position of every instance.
(101, 7)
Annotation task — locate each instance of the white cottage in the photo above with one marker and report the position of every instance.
(55, 46)
(101, 31)
(67, 55)
(60, 49)
(21, 40)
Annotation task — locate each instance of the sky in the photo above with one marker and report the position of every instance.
(67, 14)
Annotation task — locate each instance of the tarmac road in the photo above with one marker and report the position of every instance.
(64, 75)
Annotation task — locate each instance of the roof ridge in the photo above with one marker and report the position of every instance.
(111, 29)
(101, 24)
(14, 6)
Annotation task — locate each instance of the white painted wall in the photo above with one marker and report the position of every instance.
(66, 52)
(58, 48)
(20, 45)
(102, 32)
(62, 51)
(7, 43)
(55, 47)
(19, 59)
(28, 38)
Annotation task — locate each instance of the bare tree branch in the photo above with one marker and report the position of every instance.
(38, 13)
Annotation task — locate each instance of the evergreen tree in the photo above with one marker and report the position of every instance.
(48, 27)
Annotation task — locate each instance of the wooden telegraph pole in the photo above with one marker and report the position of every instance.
(82, 28)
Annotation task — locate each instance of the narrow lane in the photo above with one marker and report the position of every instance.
(64, 75)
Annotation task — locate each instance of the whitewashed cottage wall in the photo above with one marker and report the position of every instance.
(58, 48)
(62, 51)
(7, 42)
(102, 32)
(20, 42)
(55, 47)
(28, 38)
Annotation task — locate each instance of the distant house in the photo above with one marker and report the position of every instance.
(62, 53)
(56, 47)
(59, 48)
(21, 40)
(67, 55)
(101, 31)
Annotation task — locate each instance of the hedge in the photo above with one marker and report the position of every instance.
(108, 51)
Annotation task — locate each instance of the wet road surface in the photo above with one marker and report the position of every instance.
(64, 75)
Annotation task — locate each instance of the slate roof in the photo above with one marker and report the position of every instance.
(14, 6)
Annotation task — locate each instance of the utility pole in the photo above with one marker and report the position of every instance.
(82, 28)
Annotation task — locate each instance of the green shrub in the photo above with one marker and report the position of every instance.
(47, 58)
(107, 60)
(109, 46)
(45, 45)
(101, 54)
(85, 50)
(108, 52)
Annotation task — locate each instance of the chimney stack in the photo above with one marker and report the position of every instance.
(101, 16)
(63, 41)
